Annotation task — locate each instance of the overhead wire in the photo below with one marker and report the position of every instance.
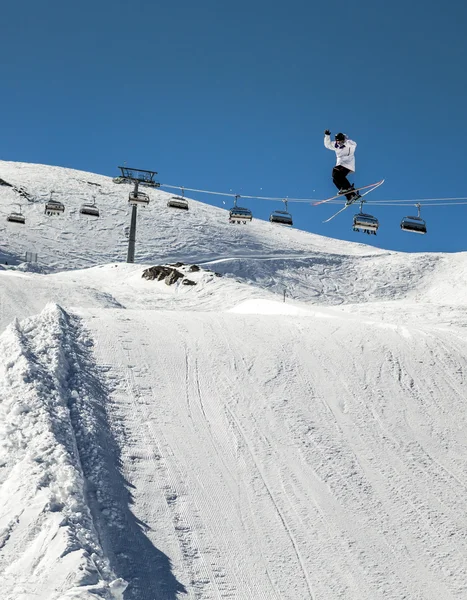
(437, 204)
(419, 200)
(393, 202)
(403, 203)
(232, 195)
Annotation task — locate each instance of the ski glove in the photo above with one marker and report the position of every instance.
(327, 132)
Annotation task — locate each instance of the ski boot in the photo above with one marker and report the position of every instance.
(354, 196)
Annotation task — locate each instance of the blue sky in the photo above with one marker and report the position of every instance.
(235, 96)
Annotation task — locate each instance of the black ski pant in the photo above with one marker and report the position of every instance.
(339, 177)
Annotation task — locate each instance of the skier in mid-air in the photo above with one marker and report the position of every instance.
(345, 164)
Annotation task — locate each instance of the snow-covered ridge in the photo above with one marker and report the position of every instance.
(313, 268)
(164, 235)
(52, 435)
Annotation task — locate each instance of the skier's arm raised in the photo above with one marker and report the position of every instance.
(327, 140)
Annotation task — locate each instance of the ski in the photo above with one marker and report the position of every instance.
(375, 185)
(365, 187)
(337, 213)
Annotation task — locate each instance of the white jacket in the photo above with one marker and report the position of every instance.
(345, 155)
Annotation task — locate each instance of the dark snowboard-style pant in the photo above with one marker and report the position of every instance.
(339, 177)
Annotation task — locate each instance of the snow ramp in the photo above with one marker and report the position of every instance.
(54, 465)
(281, 453)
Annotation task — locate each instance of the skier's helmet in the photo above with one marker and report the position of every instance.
(339, 137)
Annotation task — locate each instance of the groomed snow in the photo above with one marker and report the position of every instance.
(213, 441)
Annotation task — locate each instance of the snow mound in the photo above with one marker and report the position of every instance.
(48, 537)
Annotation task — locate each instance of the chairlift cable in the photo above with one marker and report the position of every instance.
(390, 202)
(415, 200)
(413, 203)
(232, 195)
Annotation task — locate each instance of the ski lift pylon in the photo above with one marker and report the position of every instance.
(142, 176)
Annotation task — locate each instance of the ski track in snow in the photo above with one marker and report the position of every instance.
(213, 442)
(263, 450)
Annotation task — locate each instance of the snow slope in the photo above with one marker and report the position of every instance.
(213, 441)
(166, 235)
(313, 268)
(282, 467)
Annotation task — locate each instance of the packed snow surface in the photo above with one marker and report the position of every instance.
(287, 422)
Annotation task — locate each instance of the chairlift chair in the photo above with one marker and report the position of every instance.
(237, 214)
(414, 224)
(283, 217)
(54, 207)
(365, 222)
(140, 198)
(178, 201)
(90, 210)
(16, 217)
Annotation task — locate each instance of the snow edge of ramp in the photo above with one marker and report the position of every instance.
(49, 542)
